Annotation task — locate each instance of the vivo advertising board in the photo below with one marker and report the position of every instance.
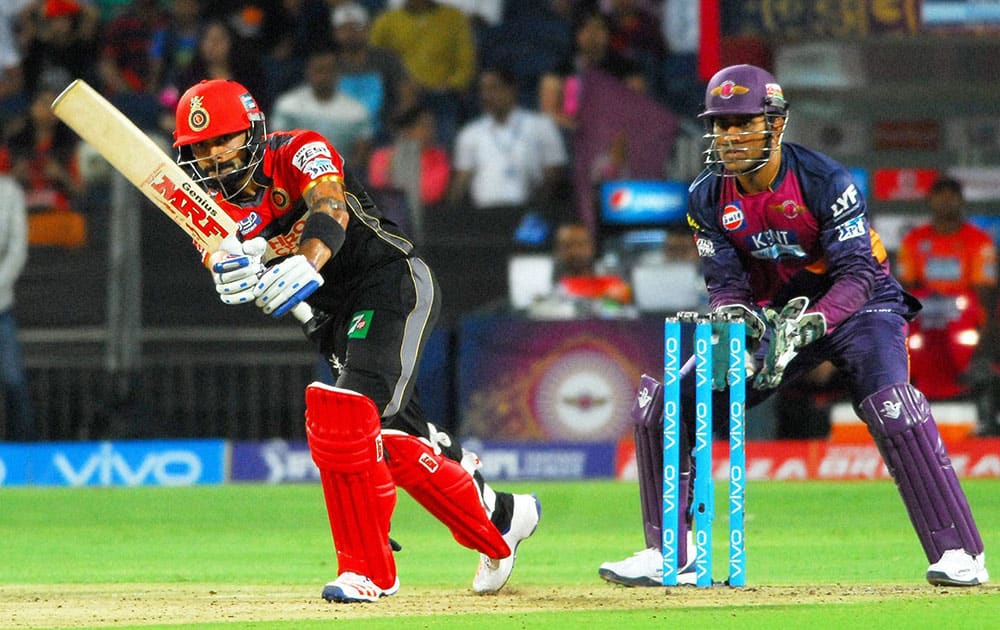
(121, 463)
(643, 202)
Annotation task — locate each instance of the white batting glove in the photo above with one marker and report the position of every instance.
(286, 284)
(236, 269)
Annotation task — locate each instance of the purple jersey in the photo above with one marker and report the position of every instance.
(808, 235)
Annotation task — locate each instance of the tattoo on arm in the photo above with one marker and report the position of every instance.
(331, 204)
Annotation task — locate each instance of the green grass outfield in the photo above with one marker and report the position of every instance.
(820, 554)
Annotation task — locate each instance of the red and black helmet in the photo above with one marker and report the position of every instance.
(213, 108)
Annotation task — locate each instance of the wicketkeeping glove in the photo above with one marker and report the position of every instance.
(236, 269)
(791, 330)
(286, 284)
(720, 343)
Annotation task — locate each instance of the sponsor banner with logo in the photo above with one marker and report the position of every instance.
(903, 184)
(822, 460)
(836, 19)
(119, 463)
(553, 460)
(524, 380)
(638, 202)
(273, 461)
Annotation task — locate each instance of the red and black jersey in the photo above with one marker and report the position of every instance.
(294, 161)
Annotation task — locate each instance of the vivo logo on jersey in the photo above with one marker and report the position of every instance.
(732, 217)
(848, 200)
(852, 229)
(186, 201)
(775, 245)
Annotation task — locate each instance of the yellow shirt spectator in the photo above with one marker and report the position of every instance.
(434, 41)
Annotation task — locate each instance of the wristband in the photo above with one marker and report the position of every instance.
(326, 229)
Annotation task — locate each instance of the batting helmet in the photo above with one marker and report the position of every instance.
(214, 108)
(743, 90)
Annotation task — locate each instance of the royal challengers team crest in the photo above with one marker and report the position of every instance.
(198, 117)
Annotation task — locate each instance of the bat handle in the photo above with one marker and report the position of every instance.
(302, 312)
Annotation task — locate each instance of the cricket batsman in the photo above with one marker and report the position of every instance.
(376, 303)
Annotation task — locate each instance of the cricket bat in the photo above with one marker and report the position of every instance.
(143, 163)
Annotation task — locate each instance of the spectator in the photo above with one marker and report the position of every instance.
(636, 35)
(949, 262)
(124, 64)
(13, 255)
(575, 265)
(223, 55)
(438, 50)
(559, 90)
(13, 100)
(57, 36)
(43, 159)
(372, 74)
(175, 45)
(510, 160)
(413, 170)
(290, 30)
(317, 104)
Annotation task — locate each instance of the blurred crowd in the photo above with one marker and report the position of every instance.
(419, 96)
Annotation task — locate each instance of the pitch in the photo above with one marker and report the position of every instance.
(819, 553)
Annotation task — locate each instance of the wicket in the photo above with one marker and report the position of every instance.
(703, 504)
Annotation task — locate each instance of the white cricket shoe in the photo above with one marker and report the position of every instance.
(351, 587)
(958, 568)
(645, 568)
(493, 573)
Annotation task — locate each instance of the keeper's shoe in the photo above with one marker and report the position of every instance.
(645, 568)
(958, 568)
(493, 573)
(352, 588)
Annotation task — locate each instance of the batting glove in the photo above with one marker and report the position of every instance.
(286, 284)
(237, 268)
(791, 329)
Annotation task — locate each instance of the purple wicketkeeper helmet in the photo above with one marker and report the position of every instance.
(742, 90)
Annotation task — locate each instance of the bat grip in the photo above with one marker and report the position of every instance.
(302, 312)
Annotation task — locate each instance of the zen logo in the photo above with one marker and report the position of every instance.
(848, 200)
(308, 152)
(853, 228)
(361, 322)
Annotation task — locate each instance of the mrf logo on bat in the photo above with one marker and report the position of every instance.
(187, 203)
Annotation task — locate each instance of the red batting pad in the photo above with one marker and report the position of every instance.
(444, 489)
(343, 430)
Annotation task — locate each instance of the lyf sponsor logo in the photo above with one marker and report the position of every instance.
(847, 201)
(732, 217)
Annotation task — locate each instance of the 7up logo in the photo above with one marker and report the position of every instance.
(360, 323)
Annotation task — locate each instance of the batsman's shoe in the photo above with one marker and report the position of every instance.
(645, 568)
(493, 573)
(351, 588)
(958, 568)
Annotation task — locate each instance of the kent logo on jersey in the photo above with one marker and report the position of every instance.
(360, 323)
